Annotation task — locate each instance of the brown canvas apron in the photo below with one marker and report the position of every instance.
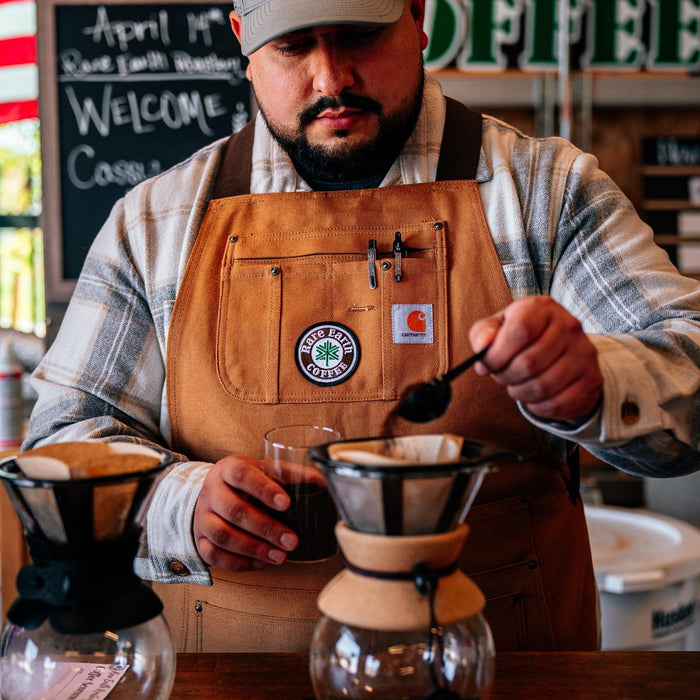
(264, 270)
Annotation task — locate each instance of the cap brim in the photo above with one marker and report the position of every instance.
(279, 17)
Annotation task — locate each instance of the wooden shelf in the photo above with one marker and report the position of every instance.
(678, 170)
(665, 214)
(675, 239)
(515, 88)
(669, 205)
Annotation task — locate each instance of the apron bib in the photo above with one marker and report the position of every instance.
(281, 318)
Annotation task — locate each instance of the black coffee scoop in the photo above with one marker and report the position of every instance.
(425, 402)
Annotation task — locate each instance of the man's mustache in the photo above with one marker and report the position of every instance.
(351, 101)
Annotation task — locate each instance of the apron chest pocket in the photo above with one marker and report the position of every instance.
(309, 326)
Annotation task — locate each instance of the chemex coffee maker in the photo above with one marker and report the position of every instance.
(402, 621)
(84, 625)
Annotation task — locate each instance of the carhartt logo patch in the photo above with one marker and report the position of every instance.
(412, 323)
(327, 353)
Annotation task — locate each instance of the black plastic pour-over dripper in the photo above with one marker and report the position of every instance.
(81, 577)
(83, 588)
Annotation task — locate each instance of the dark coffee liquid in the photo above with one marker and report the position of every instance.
(313, 517)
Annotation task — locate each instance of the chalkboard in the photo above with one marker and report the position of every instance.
(126, 91)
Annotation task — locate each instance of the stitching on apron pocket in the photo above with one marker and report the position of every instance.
(515, 607)
(256, 294)
(256, 362)
(500, 543)
(224, 629)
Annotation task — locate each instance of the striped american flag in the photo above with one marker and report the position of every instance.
(18, 70)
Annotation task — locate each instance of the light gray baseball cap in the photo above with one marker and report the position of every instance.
(264, 20)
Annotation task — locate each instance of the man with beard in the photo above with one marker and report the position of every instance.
(361, 204)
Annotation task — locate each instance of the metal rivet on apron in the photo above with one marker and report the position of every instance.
(532, 564)
(386, 265)
(274, 271)
(233, 239)
(437, 226)
(198, 607)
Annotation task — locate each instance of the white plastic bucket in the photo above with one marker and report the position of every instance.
(647, 567)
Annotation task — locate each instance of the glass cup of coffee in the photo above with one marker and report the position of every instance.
(312, 514)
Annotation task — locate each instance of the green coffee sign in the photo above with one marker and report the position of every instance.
(492, 35)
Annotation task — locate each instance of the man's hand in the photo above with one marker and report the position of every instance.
(229, 531)
(540, 352)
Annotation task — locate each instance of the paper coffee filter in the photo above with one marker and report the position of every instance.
(361, 503)
(83, 490)
(367, 457)
(40, 467)
(85, 460)
(113, 504)
(41, 503)
(412, 449)
(429, 496)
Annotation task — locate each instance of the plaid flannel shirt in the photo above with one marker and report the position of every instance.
(560, 226)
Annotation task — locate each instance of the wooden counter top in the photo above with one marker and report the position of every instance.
(653, 675)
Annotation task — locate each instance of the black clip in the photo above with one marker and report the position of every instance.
(371, 258)
(399, 252)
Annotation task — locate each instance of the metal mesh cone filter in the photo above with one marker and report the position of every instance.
(408, 485)
(104, 496)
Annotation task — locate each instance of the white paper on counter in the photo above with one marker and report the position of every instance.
(63, 681)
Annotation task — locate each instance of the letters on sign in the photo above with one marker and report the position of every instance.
(612, 35)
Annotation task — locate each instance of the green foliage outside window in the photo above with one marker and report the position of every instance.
(22, 304)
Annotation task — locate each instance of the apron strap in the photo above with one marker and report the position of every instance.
(461, 143)
(459, 153)
(233, 177)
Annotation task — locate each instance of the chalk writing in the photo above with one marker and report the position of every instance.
(123, 32)
(140, 87)
(143, 112)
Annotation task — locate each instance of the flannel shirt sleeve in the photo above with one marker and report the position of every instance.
(103, 375)
(643, 318)
(103, 379)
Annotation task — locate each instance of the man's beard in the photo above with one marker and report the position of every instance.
(342, 163)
